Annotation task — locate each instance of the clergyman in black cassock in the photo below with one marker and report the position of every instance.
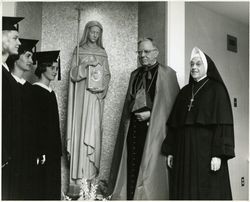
(48, 126)
(200, 139)
(138, 169)
(10, 106)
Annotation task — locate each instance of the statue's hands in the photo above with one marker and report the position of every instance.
(92, 61)
(170, 161)
(86, 64)
(96, 90)
(143, 116)
(215, 163)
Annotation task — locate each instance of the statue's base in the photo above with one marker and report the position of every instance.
(74, 191)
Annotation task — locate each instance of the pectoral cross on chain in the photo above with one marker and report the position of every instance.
(193, 94)
(191, 104)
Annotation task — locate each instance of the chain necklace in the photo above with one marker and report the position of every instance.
(193, 94)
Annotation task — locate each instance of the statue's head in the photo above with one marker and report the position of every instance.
(93, 33)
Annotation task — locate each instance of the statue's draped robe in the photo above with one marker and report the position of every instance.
(152, 181)
(85, 113)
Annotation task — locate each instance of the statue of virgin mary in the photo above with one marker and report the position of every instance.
(85, 106)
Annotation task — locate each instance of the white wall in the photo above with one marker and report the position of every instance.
(208, 30)
(9, 9)
(176, 39)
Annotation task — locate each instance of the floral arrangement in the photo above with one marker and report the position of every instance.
(91, 190)
(88, 190)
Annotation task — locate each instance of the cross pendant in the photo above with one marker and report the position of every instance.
(191, 104)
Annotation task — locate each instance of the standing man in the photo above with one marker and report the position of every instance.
(10, 105)
(138, 170)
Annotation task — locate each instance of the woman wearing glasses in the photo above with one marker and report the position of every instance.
(48, 128)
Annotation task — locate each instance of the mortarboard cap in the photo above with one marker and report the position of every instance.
(48, 57)
(10, 23)
(27, 45)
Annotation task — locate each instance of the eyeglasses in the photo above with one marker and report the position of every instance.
(145, 51)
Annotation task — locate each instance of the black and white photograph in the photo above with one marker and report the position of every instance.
(125, 100)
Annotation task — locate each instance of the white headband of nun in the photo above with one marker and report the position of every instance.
(196, 52)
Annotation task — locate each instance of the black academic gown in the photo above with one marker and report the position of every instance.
(26, 168)
(49, 143)
(195, 136)
(11, 106)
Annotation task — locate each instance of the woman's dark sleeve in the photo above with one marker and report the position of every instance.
(223, 141)
(223, 131)
(168, 143)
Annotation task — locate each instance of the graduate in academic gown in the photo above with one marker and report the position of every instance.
(10, 105)
(25, 165)
(138, 169)
(200, 139)
(48, 126)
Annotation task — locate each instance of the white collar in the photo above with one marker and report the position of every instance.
(19, 80)
(201, 78)
(6, 66)
(43, 86)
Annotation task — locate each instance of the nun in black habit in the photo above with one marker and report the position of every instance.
(48, 126)
(200, 137)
